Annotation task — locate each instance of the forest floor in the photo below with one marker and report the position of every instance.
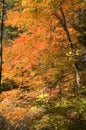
(15, 107)
(22, 110)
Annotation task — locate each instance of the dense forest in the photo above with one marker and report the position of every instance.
(43, 64)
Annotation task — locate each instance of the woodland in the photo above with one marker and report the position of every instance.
(42, 64)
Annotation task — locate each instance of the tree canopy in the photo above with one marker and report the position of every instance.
(44, 60)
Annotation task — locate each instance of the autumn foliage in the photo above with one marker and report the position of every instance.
(43, 63)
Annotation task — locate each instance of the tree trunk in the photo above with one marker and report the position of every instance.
(64, 25)
(77, 75)
(1, 38)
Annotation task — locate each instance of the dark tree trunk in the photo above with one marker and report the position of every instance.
(1, 38)
(64, 25)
